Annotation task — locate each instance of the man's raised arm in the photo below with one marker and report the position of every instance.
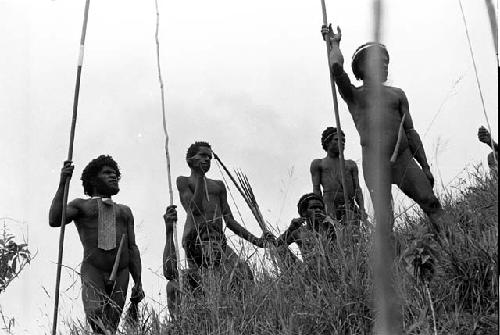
(55, 212)
(336, 60)
(233, 224)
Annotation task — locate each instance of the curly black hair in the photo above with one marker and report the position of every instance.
(327, 135)
(304, 200)
(93, 168)
(358, 58)
(193, 148)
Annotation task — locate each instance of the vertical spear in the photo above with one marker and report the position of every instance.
(337, 117)
(70, 158)
(167, 138)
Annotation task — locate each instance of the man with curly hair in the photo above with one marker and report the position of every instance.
(325, 172)
(101, 224)
(204, 241)
(378, 124)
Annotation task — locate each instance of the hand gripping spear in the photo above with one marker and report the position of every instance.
(70, 157)
(167, 154)
(337, 117)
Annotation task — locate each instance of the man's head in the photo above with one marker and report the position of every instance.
(363, 61)
(311, 206)
(101, 177)
(199, 155)
(330, 140)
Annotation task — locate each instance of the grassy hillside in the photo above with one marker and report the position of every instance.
(454, 284)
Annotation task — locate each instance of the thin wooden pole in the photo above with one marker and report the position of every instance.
(167, 139)
(337, 117)
(70, 158)
(478, 82)
(388, 312)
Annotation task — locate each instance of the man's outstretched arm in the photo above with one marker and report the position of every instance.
(233, 224)
(55, 212)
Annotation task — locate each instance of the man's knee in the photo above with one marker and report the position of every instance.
(430, 204)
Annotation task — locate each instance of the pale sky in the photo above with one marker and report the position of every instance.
(250, 77)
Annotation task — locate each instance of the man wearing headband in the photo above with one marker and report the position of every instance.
(325, 173)
(205, 203)
(313, 226)
(378, 127)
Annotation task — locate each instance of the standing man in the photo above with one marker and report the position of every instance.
(378, 128)
(101, 224)
(205, 203)
(325, 173)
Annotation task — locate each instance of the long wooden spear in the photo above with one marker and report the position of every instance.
(478, 82)
(337, 117)
(70, 158)
(167, 139)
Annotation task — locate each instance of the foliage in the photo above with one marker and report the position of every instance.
(445, 287)
(13, 258)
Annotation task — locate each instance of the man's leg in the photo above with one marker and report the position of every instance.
(410, 178)
(114, 306)
(237, 269)
(93, 296)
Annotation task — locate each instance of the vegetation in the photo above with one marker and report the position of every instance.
(450, 287)
(13, 258)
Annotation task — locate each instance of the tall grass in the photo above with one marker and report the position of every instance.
(449, 287)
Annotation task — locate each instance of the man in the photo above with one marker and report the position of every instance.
(101, 223)
(316, 235)
(205, 203)
(484, 136)
(325, 173)
(378, 127)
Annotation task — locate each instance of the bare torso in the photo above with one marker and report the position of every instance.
(209, 226)
(86, 223)
(382, 124)
(331, 182)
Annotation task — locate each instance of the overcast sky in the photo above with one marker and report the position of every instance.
(250, 77)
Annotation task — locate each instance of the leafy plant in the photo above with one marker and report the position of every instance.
(13, 258)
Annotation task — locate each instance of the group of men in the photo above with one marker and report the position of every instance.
(102, 223)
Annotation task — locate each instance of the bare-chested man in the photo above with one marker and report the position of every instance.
(319, 228)
(101, 223)
(378, 129)
(205, 203)
(325, 173)
(484, 136)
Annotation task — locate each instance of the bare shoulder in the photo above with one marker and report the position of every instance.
(78, 202)
(182, 182)
(316, 164)
(218, 184)
(351, 165)
(126, 209)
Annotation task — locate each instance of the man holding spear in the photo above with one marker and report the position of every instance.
(102, 224)
(205, 203)
(387, 134)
